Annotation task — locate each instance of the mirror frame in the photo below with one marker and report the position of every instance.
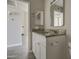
(63, 16)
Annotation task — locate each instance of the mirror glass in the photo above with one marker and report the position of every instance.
(56, 13)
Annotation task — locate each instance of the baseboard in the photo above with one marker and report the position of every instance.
(30, 51)
(14, 45)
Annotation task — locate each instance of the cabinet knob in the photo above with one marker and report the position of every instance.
(38, 43)
(22, 34)
(51, 44)
(56, 42)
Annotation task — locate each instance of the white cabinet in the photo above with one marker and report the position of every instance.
(56, 47)
(36, 47)
(43, 46)
(43, 52)
(48, 47)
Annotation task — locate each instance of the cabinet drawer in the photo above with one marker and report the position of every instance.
(43, 41)
(43, 52)
(56, 40)
(56, 47)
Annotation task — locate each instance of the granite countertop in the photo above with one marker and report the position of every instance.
(47, 34)
(39, 31)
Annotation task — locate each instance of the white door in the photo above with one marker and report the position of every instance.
(14, 23)
(17, 31)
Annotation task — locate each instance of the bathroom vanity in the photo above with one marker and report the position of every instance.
(48, 46)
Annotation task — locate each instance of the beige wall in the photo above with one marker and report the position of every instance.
(68, 17)
(68, 22)
(47, 14)
(36, 5)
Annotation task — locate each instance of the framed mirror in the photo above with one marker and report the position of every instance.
(57, 13)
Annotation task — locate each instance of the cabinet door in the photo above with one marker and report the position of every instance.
(43, 52)
(36, 45)
(56, 47)
(43, 47)
(38, 51)
(33, 43)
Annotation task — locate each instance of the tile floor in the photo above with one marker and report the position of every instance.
(31, 56)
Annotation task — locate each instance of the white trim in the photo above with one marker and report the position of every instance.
(11, 56)
(13, 45)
